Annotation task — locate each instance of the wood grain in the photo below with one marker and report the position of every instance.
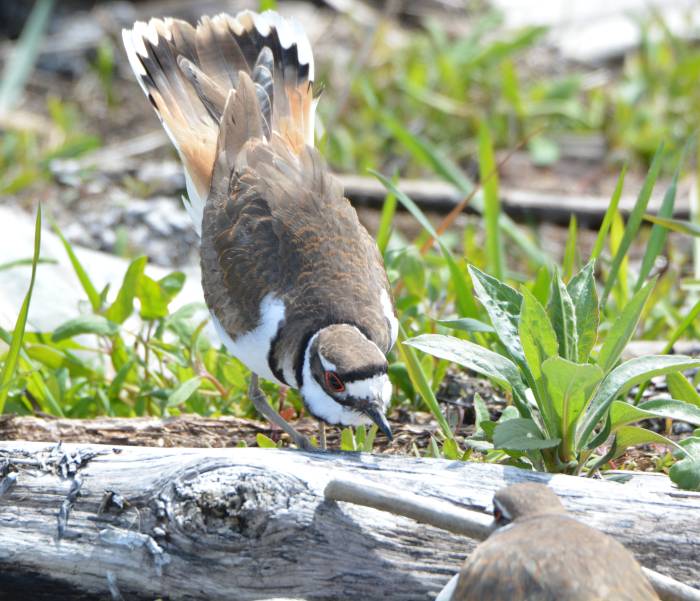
(253, 523)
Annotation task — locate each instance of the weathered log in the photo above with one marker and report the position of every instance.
(80, 520)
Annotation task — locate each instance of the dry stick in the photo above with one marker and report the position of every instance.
(473, 524)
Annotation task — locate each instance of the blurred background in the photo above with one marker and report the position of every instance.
(571, 90)
(544, 102)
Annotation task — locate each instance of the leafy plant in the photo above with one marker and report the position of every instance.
(128, 354)
(568, 396)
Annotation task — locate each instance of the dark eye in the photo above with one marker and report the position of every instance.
(333, 382)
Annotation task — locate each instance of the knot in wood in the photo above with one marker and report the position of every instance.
(240, 501)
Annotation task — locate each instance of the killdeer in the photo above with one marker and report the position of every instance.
(539, 553)
(295, 285)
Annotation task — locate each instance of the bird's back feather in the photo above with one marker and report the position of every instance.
(192, 74)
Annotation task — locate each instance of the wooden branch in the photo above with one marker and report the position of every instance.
(547, 207)
(462, 521)
(80, 520)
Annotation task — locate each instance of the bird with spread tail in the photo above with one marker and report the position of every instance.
(540, 553)
(295, 285)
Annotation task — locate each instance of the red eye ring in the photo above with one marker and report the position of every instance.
(333, 382)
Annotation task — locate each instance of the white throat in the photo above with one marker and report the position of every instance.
(321, 405)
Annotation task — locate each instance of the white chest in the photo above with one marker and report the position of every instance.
(253, 347)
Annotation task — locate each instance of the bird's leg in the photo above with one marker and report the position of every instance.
(322, 435)
(263, 407)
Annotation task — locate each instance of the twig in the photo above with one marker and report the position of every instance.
(473, 524)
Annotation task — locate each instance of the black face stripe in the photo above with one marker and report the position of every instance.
(271, 362)
(363, 374)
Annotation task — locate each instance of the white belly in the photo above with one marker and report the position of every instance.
(252, 348)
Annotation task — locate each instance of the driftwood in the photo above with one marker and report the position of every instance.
(78, 521)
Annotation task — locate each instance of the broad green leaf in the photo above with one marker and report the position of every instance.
(542, 284)
(183, 392)
(117, 383)
(85, 324)
(347, 440)
(563, 315)
(634, 221)
(625, 413)
(686, 472)
(12, 358)
(609, 213)
(632, 436)
(569, 386)
(492, 204)
(265, 442)
(83, 277)
(623, 328)
(619, 381)
(502, 303)
(673, 409)
(681, 389)
(450, 450)
(155, 296)
(481, 414)
(537, 336)
(497, 368)
(123, 305)
(521, 434)
(467, 324)
(421, 384)
(584, 296)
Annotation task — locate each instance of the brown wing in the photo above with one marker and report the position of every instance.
(284, 227)
(552, 558)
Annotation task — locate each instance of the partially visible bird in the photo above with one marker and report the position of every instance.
(539, 553)
(295, 285)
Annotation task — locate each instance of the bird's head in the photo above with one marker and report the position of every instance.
(345, 379)
(523, 500)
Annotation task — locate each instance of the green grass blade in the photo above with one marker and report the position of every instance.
(623, 328)
(634, 221)
(682, 327)
(385, 223)
(20, 65)
(492, 203)
(657, 238)
(465, 300)
(607, 219)
(569, 262)
(420, 383)
(426, 153)
(429, 155)
(675, 225)
(83, 277)
(12, 358)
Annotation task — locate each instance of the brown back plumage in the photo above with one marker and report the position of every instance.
(191, 74)
(282, 226)
(550, 557)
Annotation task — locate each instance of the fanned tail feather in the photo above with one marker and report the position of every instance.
(193, 77)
